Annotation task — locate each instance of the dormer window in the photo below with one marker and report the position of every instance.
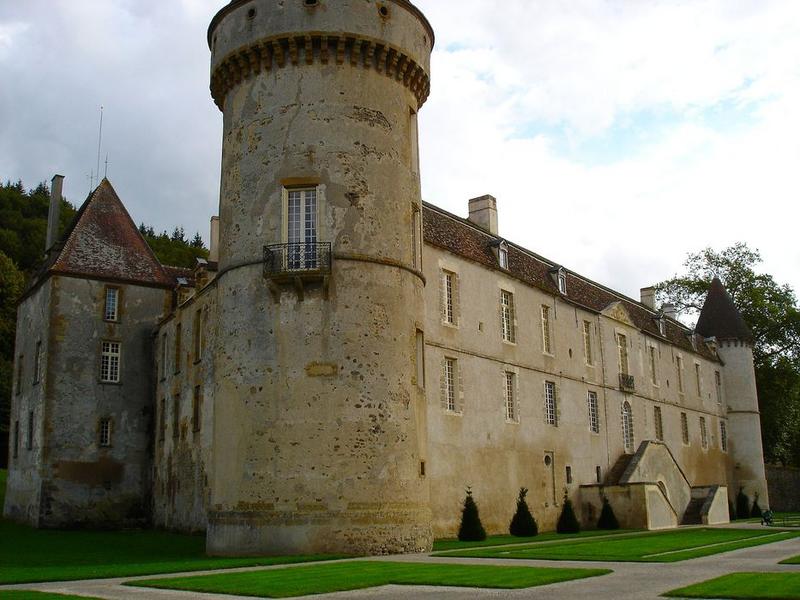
(662, 325)
(502, 255)
(562, 281)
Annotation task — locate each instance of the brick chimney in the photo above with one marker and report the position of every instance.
(213, 250)
(55, 211)
(483, 212)
(648, 295)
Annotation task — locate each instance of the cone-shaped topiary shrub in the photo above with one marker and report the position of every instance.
(523, 524)
(607, 520)
(742, 505)
(756, 510)
(567, 522)
(471, 529)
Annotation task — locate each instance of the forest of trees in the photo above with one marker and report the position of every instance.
(23, 227)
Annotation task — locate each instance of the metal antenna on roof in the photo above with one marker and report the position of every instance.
(105, 175)
(90, 177)
(99, 142)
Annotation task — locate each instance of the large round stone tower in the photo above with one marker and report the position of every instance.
(318, 405)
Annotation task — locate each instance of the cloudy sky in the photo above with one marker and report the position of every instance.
(616, 135)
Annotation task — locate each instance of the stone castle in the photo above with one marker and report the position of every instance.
(350, 358)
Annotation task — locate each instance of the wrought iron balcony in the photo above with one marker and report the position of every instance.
(297, 263)
(626, 382)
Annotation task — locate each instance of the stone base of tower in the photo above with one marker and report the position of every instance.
(357, 532)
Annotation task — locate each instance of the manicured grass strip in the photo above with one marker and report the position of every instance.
(339, 577)
(26, 595)
(795, 560)
(505, 540)
(756, 586)
(669, 546)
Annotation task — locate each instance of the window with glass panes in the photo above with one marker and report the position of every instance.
(510, 381)
(653, 365)
(301, 228)
(109, 362)
(111, 307)
(547, 344)
(659, 423)
(703, 432)
(627, 426)
(449, 375)
(507, 316)
(622, 352)
(594, 413)
(723, 436)
(105, 432)
(685, 428)
(550, 404)
(587, 342)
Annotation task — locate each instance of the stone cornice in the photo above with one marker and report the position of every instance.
(309, 48)
(234, 4)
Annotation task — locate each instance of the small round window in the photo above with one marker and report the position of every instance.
(548, 460)
(251, 14)
(383, 11)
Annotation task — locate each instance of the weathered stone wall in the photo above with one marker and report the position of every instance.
(28, 397)
(316, 435)
(784, 488)
(183, 443)
(84, 483)
(478, 447)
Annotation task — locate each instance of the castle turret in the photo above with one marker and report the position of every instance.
(721, 319)
(318, 435)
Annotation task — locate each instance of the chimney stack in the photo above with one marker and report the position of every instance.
(54, 212)
(649, 297)
(483, 212)
(669, 310)
(213, 250)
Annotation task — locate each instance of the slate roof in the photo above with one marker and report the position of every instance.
(720, 318)
(463, 238)
(103, 242)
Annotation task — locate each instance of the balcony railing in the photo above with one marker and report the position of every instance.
(297, 260)
(626, 382)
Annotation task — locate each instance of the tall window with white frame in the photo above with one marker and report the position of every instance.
(550, 404)
(111, 304)
(109, 362)
(703, 432)
(510, 392)
(301, 228)
(37, 364)
(627, 427)
(449, 385)
(594, 413)
(547, 341)
(105, 432)
(653, 365)
(502, 256)
(507, 316)
(587, 342)
(659, 423)
(448, 295)
(562, 281)
(718, 386)
(685, 428)
(622, 353)
(723, 436)
(679, 367)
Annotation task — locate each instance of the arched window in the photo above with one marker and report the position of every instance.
(627, 427)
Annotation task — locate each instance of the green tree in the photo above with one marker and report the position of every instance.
(607, 520)
(471, 529)
(523, 524)
(11, 285)
(770, 310)
(567, 521)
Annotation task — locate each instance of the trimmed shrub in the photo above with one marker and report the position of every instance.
(471, 529)
(756, 510)
(742, 505)
(567, 522)
(523, 524)
(607, 520)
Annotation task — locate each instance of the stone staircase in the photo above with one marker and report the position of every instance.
(617, 471)
(693, 514)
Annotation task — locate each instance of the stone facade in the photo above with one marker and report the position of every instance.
(350, 359)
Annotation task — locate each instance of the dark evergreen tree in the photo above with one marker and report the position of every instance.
(756, 510)
(197, 241)
(607, 520)
(567, 521)
(523, 524)
(471, 529)
(742, 505)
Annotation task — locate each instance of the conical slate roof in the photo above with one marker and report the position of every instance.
(720, 318)
(104, 242)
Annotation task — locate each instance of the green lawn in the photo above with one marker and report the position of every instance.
(447, 544)
(25, 595)
(29, 555)
(345, 576)
(795, 560)
(756, 586)
(669, 546)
